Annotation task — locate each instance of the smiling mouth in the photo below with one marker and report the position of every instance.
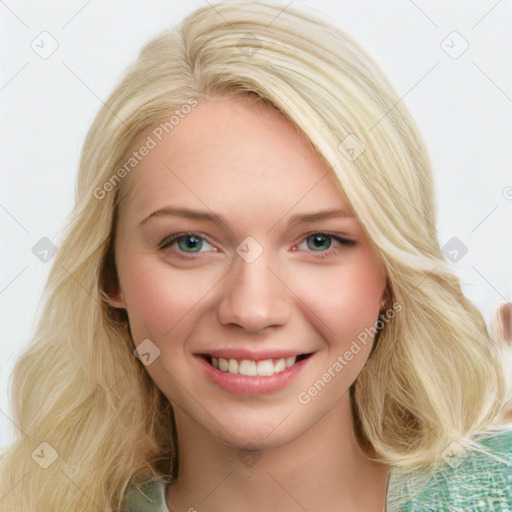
(251, 368)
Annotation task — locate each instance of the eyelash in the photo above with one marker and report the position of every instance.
(168, 241)
(345, 243)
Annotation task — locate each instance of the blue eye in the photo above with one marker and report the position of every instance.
(189, 243)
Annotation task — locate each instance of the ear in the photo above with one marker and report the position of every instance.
(385, 299)
(504, 313)
(114, 298)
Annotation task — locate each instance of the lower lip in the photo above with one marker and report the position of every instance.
(244, 385)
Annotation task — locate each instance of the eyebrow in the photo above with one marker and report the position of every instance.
(294, 220)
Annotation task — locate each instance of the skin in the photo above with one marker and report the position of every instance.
(246, 162)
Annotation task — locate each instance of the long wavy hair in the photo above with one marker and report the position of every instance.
(435, 375)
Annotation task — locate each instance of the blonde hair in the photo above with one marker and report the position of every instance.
(435, 374)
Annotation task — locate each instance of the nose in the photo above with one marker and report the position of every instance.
(254, 297)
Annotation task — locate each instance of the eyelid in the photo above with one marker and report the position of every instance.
(166, 242)
(343, 240)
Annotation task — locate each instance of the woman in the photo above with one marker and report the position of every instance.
(266, 320)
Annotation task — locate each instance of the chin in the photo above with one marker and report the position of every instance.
(256, 436)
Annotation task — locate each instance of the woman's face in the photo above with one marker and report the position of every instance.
(234, 243)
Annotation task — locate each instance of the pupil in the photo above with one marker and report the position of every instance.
(190, 244)
(319, 242)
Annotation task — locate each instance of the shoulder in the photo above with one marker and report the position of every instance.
(479, 480)
(146, 494)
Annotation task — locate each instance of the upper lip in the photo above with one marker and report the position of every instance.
(254, 355)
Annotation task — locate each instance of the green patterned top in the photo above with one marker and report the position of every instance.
(474, 481)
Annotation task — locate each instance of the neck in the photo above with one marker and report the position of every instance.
(322, 469)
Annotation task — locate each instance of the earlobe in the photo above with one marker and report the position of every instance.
(385, 300)
(114, 299)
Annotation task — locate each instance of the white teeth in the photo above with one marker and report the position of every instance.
(280, 366)
(233, 366)
(265, 368)
(247, 367)
(250, 368)
(290, 361)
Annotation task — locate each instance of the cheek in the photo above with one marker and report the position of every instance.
(158, 300)
(345, 302)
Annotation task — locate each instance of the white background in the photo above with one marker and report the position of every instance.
(462, 106)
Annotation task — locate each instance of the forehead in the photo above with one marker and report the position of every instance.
(229, 153)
